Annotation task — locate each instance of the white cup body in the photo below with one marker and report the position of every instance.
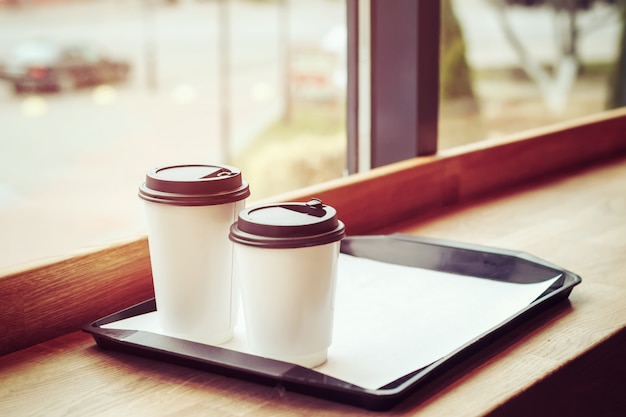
(192, 257)
(288, 300)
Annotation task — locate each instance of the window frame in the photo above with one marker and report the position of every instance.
(399, 42)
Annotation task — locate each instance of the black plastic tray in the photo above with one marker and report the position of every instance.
(434, 254)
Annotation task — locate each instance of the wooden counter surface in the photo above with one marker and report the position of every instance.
(570, 361)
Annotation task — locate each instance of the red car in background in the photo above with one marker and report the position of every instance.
(45, 66)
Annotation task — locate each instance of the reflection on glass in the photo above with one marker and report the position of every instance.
(254, 83)
(512, 65)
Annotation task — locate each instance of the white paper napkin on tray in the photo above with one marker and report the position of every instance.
(391, 320)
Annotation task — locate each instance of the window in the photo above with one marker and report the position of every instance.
(505, 66)
(513, 65)
(94, 93)
(260, 84)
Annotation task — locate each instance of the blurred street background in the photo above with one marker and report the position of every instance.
(259, 84)
(71, 162)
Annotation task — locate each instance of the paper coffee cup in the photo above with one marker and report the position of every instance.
(189, 210)
(286, 260)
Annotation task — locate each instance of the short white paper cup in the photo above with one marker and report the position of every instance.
(288, 279)
(288, 297)
(189, 212)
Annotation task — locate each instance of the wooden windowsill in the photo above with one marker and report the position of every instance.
(557, 193)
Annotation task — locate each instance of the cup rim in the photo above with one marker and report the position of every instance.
(287, 225)
(222, 184)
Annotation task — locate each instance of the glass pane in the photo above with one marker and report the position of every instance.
(514, 67)
(94, 93)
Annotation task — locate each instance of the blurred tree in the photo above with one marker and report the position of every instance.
(617, 80)
(455, 75)
(556, 81)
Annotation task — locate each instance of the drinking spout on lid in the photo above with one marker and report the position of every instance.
(315, 203)
(222, 172)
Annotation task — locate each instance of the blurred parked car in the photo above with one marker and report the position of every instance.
(45, 66)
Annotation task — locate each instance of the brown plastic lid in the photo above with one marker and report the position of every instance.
(194, 185)
(288, 225)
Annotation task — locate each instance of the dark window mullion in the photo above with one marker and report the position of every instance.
(404, 58)
(352, 93)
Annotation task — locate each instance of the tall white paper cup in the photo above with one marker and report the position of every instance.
(189, 210)
(286, 260)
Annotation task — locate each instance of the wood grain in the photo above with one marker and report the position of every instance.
(51, 300)
(573, 218)
(412, 188)
(45, 301)
(70, 376)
